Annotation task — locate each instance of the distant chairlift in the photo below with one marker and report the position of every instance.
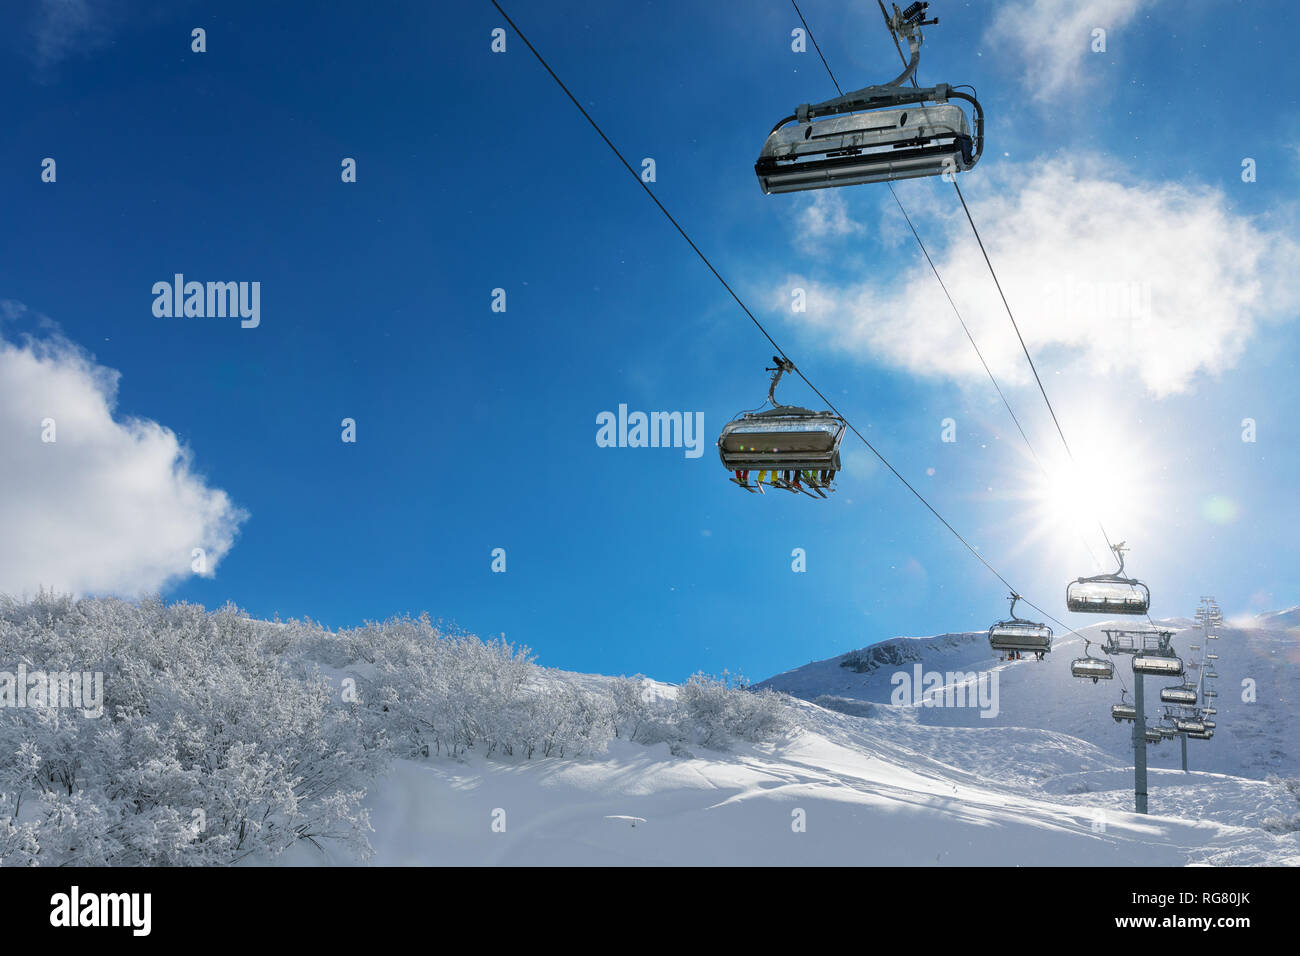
(787, 447)
(1178, 695)
(1109, 593)
(1204, 735)
(1157, 665)
(1209, 724)
(834, 143)
(1188, 725)
(1123, 712)
(1092, 667)
(1017, 634)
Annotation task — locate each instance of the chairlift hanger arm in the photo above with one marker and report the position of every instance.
(783, 365)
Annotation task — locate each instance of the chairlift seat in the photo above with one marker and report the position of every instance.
(782, 438)
(1157, 665)
(1107, 594)
(1092, 667)
(1177, 695)
(1020, 636)
(874, 147)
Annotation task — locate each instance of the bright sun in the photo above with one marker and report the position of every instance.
(1109, 483)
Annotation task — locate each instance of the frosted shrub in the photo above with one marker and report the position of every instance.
(709, 711)
(1283, 823)
(717, 709)
(208, 748)
(439, 693)
(223, 737)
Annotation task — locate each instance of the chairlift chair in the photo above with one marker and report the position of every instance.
(1109, 593)
(1208, 724)
(1203, 735)
(1017, 634)
(1157, 665)
(1122, 712)
(782, 441)
(1092, 667)
(1178, 695)
(1188, 725)
(835, 143)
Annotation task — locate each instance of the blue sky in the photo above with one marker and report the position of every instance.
(476, 429)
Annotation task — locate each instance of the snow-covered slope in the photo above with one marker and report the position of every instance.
(1047, 781)
(885, 790)
(1254, 737)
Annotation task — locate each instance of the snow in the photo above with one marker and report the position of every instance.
(1047, 781)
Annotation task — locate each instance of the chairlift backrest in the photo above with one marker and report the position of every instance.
(1154, 664)
(1123, 711)
(783, 438)
(1092, 667)
(1108, 593)
(882, 146)
(1017, 634)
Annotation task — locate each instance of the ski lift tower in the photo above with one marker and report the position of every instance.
(1152, 654)
(1208, 617)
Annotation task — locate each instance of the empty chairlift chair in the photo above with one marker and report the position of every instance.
(1108, 593)
(1017, 634)
(1178, 695)
(1092, 667)
(1157, 665)
(1122, 712)
(787, 447)
(835, 143)
(1189, 725)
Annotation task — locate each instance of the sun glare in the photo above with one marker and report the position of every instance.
(1109, 483)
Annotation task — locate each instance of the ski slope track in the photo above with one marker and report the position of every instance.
(1047, 781)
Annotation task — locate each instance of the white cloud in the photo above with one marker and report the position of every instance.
(1051, 38)
(108, 507)
(824, 217)
(1152, 281)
